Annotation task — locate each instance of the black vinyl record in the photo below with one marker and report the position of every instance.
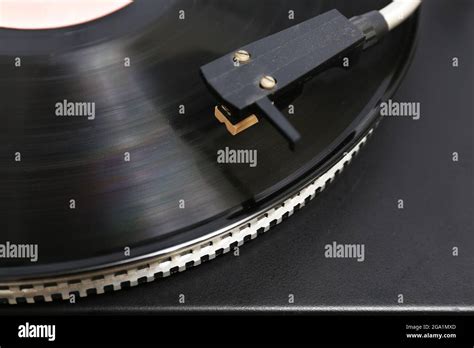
(159, 112)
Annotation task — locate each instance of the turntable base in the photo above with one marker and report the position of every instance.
(408, 251)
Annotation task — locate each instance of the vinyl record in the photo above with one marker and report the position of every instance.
(134, 190)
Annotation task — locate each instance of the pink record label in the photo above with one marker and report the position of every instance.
(53, 14)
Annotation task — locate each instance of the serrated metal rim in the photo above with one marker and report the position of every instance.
(179, 258)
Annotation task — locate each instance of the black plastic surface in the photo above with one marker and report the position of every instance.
(288, 56)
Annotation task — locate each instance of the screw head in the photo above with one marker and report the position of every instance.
(268, 82)
(241, 56)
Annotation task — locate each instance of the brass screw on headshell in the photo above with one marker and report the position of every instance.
(268, 82)
(241, 56)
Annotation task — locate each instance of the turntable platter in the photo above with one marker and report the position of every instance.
(140, 172)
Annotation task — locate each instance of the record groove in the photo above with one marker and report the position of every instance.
(178, 260)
